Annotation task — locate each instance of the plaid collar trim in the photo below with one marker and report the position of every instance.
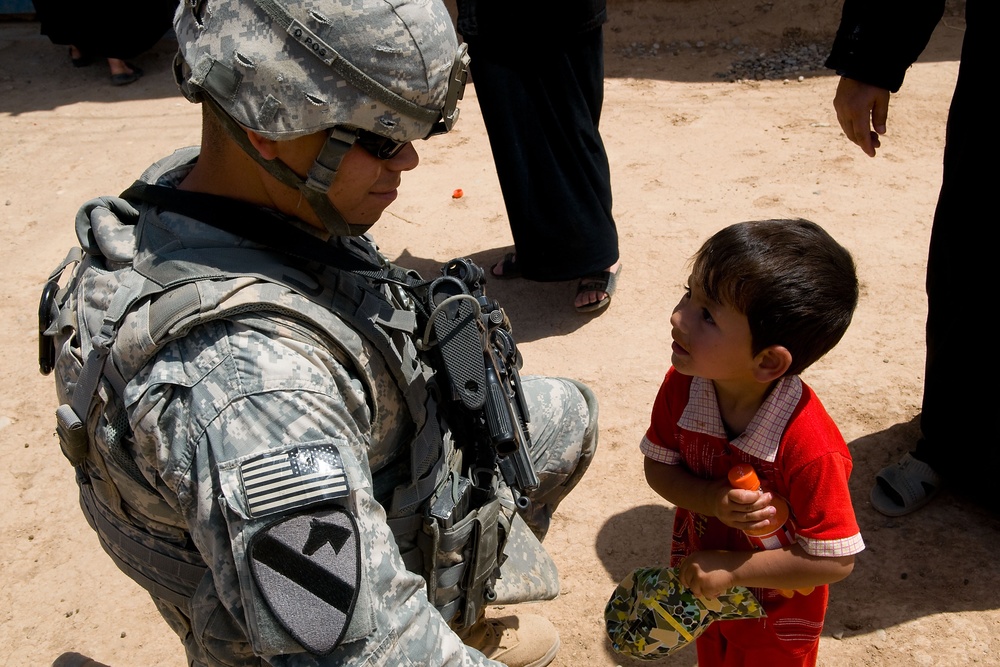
(763, 435)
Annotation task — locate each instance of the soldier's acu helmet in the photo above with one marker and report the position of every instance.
(288, 68)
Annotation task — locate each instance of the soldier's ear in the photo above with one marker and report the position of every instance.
(268, 148)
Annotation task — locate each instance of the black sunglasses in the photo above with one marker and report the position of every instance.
(380, 147)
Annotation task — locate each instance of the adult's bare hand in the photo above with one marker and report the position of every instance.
(862, 110)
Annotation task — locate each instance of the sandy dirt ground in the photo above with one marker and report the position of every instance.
(691, 152)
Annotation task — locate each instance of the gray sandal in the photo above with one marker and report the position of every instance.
(904, 487)
(606, 282)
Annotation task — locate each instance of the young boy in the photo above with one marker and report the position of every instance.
(764, 301)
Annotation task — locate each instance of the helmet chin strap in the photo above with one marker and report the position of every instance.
(316, 185)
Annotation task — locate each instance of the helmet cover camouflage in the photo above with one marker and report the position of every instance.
(288, 68)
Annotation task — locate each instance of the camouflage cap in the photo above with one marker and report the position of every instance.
(287, 68)
(651, 614)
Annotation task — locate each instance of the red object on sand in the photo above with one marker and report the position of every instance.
(457, 194)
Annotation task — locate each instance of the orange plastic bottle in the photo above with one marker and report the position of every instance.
(779, 531)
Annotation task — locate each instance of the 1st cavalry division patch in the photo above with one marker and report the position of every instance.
(308, 568)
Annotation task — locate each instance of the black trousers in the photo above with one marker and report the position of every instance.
(541, 103)
(106, 29)
(958, 440)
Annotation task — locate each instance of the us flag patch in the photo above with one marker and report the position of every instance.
(278, 482)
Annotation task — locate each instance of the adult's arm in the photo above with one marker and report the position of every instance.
(879, 39)
(233, 396)
(875, 44)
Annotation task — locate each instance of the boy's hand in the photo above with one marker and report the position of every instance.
(710, 573)
(741, 509)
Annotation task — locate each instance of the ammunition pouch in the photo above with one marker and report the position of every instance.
(464, 563)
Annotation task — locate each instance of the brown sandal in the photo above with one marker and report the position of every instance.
(509, 266)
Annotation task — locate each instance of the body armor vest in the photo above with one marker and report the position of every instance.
(120, 307)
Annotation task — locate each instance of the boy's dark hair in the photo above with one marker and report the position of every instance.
(797, 286)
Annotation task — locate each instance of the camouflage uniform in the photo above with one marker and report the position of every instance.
(258, 442)
(212, 402)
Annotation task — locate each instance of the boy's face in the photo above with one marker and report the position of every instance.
(711, 340)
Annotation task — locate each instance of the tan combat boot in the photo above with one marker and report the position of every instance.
(517, 641)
